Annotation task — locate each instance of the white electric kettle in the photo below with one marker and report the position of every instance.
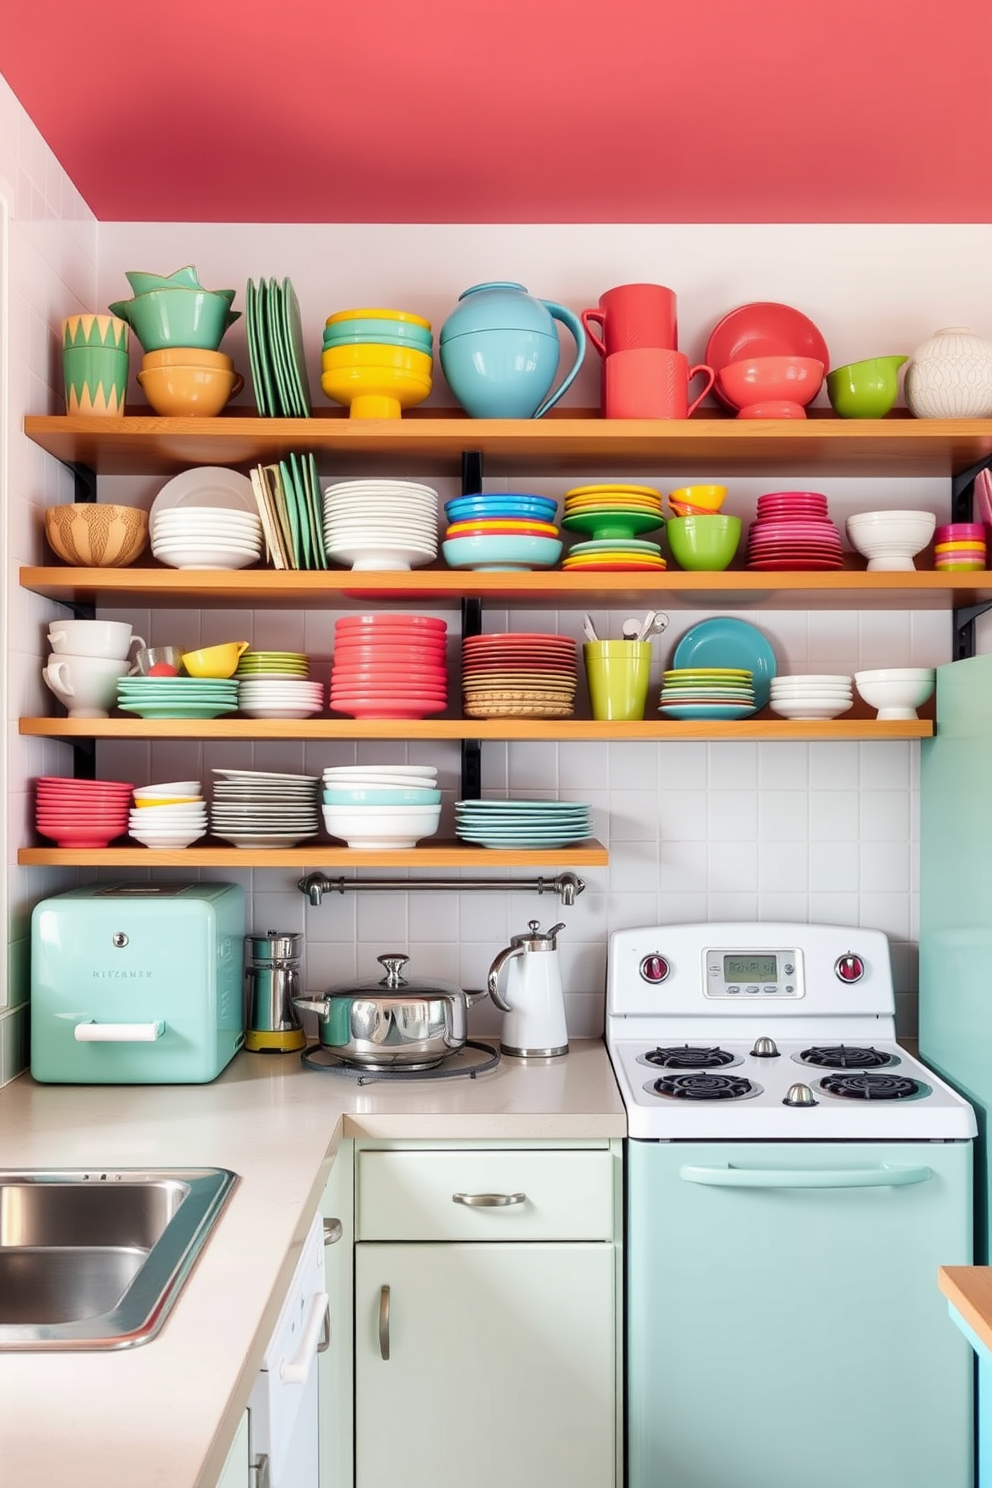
(534, 1026)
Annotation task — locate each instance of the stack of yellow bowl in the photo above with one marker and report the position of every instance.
(377, 361)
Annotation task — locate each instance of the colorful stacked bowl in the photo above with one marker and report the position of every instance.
(377, 361)
(613, 510)
(389, 666)
(960, 546)
(81, 813)
(498, 516)
(690, 501)
(381, 808)
(174, 310)
(162, 820)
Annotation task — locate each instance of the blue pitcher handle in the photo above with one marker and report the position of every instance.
(572, 323)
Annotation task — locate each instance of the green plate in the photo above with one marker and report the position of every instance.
(285, 482)
(278, 351)
(264, 353)
(302, 487)
(295, 350)
(613, 524)
(254, 351)
(177, 710)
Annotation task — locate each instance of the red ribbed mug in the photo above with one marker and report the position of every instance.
(649, 383)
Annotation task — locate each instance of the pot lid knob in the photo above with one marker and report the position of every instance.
(764, 1048)
(394, 963)
(800, 1095)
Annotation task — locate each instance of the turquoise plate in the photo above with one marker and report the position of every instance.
(725, 642)
(706, 710)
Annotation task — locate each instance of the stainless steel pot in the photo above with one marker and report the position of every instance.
(411, 1022)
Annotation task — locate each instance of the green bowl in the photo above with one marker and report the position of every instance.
(179, 317)
(865, 389)
(703, 543)
(142, 283)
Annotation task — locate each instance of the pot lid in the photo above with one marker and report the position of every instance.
(395, 983)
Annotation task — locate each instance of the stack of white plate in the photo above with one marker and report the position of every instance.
(811, 695)
(160, 819)
(271, 697)
(512, 824)
(264, 808)
(381, 808)
(381, 524)
(207, 537)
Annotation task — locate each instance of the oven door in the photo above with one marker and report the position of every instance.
(783, 1319)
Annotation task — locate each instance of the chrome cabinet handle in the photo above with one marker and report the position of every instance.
(258, 1471)
(488, 1200)
(324, 1342)
(384, 1323)
(333, 1230)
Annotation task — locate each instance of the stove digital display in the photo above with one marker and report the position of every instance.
(744, 968)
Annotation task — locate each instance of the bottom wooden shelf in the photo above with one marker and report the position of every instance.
(587, 854)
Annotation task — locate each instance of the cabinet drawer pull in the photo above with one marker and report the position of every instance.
(384, 1323)
(488, 1200)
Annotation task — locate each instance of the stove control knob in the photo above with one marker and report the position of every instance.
(654, 969)
(764, 1048)
(800, 1095)
(849, 968)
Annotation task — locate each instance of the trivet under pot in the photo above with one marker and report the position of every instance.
(472, 1059)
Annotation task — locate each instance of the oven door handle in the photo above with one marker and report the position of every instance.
(887, 1175)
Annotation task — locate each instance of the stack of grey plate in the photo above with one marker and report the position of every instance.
(263, 808)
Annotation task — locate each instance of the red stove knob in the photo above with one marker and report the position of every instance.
(849, 968)
(654, 968)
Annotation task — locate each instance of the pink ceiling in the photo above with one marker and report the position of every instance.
(512, 110)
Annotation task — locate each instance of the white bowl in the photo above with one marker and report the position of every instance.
(164, 840)
(381, 827)
(896, 692)
(889, 539)
(206, 558)
(171, 788)
(810, 707)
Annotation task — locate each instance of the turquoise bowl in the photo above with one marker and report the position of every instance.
(501, 552)
(381, 796)
(179, 317)
(394, 332)
(142, 283)
(501, 504)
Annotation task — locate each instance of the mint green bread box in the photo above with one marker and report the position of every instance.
(137, 983)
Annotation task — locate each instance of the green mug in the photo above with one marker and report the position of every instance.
(95, 380)
(617, 673)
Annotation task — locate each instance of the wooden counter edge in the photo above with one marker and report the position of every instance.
(969, 1291)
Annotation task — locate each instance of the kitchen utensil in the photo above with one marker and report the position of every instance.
(534, 1003)
(272, 974)
(589, 628)
(654, 624)
(393, 1020)
(631, 630)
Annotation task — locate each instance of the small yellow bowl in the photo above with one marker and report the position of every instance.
(377, 314)
(375, 392)
(370, 354)
(148, 803)
(189, 392)
(709, 497)
(215, 661)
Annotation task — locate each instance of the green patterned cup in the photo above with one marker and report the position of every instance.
(95, 374)
(94, 330)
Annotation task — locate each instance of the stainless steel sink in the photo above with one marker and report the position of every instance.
(94, 1259)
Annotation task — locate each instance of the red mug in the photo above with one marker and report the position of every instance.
(650, 383)
(633, 315)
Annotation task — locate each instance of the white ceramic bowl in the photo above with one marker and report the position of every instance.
(170, 788)
(810, 707)
(896, 692)
(179, 556)
(890, 539)
(381, 827)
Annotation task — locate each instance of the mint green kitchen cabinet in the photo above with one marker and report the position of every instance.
(486, 1315)
(335, 1365)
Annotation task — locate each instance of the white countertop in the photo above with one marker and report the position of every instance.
(163, 1415)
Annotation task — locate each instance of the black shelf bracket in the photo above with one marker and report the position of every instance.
(963, 510)
(84, 481)
(471, 626)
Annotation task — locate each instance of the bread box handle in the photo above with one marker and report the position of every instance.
(118, 1033)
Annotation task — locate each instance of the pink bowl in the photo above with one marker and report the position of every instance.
(958, 531)
(759, 382)
(80, 837)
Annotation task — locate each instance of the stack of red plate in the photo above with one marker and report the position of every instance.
(523, 675)
(793, 531)
(389, 666)
(82, 813)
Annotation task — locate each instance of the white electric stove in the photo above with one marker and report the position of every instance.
(794, 1178)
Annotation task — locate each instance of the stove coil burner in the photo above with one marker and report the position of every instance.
(846, 1056)
(871, 1087)
(705, 1087)
(685, 1056)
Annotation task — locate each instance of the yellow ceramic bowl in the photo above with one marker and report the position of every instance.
(215, 661)
(187, 356)
(375, 392)
(371, 354)
(95, 535)
(148, 803)
(189, 392)
(710, 498)
(377, 314)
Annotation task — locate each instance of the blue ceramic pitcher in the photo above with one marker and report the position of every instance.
(499, 351)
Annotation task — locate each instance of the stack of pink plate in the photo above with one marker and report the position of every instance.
(793, 531)
(389, 666)
(527, 675)
(82, 813)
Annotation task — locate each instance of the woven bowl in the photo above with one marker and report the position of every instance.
(93, 535)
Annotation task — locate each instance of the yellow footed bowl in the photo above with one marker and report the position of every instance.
(377, 314)
(710, 497)
(375, 392)
(373, 354)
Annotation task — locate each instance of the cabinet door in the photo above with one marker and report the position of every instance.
(236, 1472)
(501, 1366)
(335, 1377)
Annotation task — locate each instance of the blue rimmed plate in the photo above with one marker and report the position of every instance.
(725, 642)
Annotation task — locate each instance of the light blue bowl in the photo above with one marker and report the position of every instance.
(501, 552)
(381, 796)
(345, 332)
(502, 504)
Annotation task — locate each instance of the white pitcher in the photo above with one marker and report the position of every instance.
(534, 1026)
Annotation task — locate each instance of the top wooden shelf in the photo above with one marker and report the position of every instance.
(572, 442)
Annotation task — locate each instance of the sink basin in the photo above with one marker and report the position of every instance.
(94, 1259)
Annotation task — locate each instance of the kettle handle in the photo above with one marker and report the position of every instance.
(572, 323)
(492, 980)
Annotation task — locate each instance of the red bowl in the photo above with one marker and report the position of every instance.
(771, 379)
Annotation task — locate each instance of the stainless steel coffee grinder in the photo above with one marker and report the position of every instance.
(272, 975)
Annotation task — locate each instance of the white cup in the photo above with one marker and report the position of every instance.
(85, 685)
(107, 638)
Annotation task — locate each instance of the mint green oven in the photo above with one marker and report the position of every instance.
(137, 983)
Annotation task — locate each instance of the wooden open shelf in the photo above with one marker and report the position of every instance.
(587, 854)
(549, 730)
(570, 441)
